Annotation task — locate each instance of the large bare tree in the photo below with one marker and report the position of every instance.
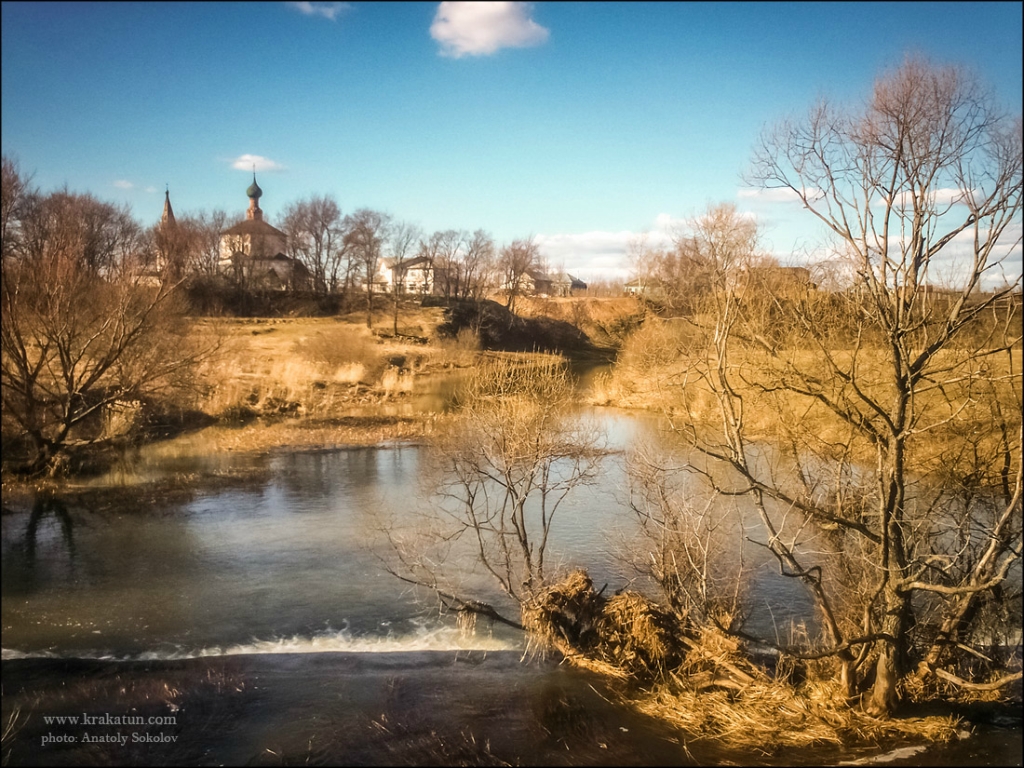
(894, 406)
(316, 238)
(82, 331)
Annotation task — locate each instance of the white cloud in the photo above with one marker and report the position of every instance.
(668, 224)
(327, 10)
(940, 197)
(479, 29)
(777, 194)
(123, 184)
(599, 254)
(255, 162)
(951, 196)
(587, 255)
(943, 197)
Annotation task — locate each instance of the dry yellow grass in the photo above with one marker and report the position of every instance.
(316, 367)
(665, 367)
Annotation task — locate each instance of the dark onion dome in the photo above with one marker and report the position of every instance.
(254, 190)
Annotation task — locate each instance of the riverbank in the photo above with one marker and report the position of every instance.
(400, 708)
(302, 382)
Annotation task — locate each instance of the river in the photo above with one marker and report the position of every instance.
(254, 621)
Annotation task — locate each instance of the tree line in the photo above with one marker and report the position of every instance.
(342, 253)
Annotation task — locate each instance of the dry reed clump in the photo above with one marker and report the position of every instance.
(626, 635)
(563, 616)
(769, 715)
(701, 680)
(638, 635)
(396, 381)
(348, 355)
(461, 351)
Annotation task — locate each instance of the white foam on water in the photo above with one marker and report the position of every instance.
(424, 638)
(897, 754)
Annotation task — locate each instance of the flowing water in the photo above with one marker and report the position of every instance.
(255, 622)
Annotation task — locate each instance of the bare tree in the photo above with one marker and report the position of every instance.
(77, 340)
(315, 238)
(713, 417)
(366, 232)
(447, 248)
(514, 262)
(644, 261)
(872, 387)
(478, 263)
(404, 238)
(16, 192)
(515, 450)
(170, 252)
(691, 545)
(187, 246)
(206, 230)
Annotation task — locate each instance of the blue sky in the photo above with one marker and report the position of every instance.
(581, 124)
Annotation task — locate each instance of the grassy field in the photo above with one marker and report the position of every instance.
(324, 366)
(329, 381)
(318, 381)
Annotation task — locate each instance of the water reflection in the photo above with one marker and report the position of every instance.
(44, 506)
(296, 554)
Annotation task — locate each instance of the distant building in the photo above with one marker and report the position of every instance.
(412, 277)
(167, 217)
(160, 264)
(651, 287)
(254, 253)
(562, 284)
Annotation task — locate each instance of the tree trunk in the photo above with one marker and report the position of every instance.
(884, 696)
(896, 619)
(892, 657)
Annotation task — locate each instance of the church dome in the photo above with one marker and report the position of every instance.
(254, 190)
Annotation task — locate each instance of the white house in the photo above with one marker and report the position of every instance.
(413, 276)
